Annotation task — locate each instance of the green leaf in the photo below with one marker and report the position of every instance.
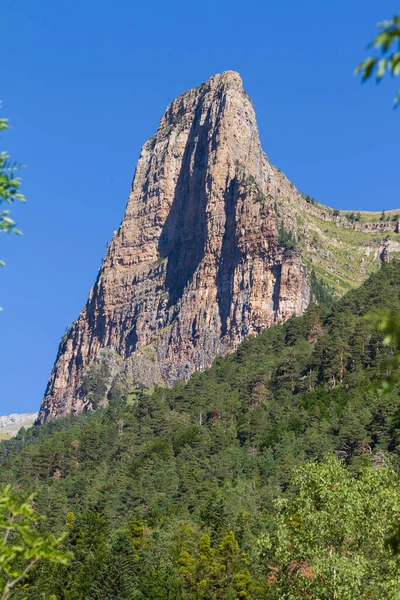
(387, 39)
(382, 64)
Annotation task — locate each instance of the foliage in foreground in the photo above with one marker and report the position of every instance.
(329, 539)
(9, 189)
(387, 45)
(164, 490)
(22, 546)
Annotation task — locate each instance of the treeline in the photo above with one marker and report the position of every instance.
(271, 475)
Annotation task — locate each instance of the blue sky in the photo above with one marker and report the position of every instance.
(85, 83)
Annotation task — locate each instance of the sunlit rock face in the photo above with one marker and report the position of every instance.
(196, 265)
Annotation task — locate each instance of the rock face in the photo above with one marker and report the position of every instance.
(16, 419)
(11, 424)
(198, 262)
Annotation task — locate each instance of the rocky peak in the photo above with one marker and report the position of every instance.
(200, 260)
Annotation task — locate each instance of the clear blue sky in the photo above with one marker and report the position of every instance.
(84, 85)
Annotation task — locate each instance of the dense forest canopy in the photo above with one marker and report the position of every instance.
(271, 475)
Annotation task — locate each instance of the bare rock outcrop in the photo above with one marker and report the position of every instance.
(197, 264)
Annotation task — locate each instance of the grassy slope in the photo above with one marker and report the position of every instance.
(12, 429)
(342, 254)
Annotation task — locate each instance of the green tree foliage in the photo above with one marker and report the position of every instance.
(387, 58)
(216, 573)
(286, 239)
(322, 293)
(141, 480)
(389, 323)
(354, 217)
(95, 382)
(9, 189)
(329, 539)
(22, 546)
(309, 199)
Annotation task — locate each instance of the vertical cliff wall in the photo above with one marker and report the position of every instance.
(196, 264)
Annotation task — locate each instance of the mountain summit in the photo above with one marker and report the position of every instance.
(215, 244)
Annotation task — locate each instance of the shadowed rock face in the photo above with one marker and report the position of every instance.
(195, 265)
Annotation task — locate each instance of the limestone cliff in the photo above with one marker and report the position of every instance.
(199, 260)
(11, 424)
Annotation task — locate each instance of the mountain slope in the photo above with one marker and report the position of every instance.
(211, 455)
(11, 424)
(215, 244)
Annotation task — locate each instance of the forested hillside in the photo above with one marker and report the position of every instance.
(271, 475)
